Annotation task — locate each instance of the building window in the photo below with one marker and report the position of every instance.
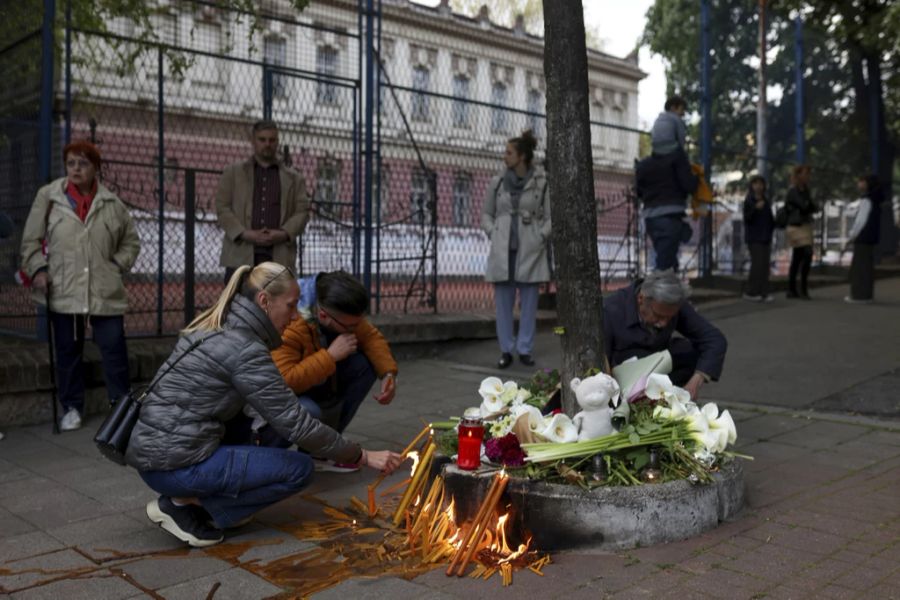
(275, 54)
(535, 106)
(461, 101)
(328, 176)
(421, 82)
(326, 67)
(165, 28)
(418, 195)
(498, 113)
(462, 196)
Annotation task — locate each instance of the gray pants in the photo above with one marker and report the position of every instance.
(758, 282)
(862, 272)
(505, 299)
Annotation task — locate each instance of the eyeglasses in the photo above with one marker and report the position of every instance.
(78, 164)
(348, 328)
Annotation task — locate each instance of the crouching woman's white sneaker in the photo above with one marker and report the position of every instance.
(183, 522)
(70, 421)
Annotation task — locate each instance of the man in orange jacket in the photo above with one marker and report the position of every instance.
(332, 355)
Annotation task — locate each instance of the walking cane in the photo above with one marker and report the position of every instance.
(50, 346)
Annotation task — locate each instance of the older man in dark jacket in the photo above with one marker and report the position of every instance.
(663, 183)
(641, 319)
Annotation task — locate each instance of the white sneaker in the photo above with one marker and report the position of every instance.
(752, 298)
(768, 298)
(1, 435)
(70, 421)
(850, 300)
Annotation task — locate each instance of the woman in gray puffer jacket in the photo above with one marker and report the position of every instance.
(176, 444)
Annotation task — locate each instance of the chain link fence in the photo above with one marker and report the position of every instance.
(171, 107)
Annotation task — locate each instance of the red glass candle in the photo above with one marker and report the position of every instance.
(471, 432)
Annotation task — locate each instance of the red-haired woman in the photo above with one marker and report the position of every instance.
(77, 243)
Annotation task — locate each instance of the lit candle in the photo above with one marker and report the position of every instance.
(471, 432)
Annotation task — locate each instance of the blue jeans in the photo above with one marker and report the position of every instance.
(505, 299)
(667, 233)
(236, 481)
(68, 338)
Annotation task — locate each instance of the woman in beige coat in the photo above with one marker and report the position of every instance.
(78, 242)
(516, 217)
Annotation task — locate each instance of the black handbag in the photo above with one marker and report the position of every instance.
(115, 432)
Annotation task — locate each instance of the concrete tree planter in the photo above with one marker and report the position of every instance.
(605, 518)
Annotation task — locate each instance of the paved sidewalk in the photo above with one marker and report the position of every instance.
(823, 495)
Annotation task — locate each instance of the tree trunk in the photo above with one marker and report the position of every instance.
(571, 184)
(885, 151)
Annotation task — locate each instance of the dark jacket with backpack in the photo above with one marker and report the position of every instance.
(665, 179)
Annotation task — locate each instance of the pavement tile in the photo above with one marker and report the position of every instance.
(10, 472)
(377, 589)
(11, 525)
(862, 578)
(41, 569)
(165, 571)
(883, 592)
(783, 592)
(264, 544)
(726, 584)
(886, 438)
(768, 427)
(820, 573)
(842, 525)
(234, 584)
(27, 544)
(145, 541)
(819, 435)
(56, 508)
(100, 586)
(90, 530)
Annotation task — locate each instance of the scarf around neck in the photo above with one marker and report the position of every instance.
(81, 202)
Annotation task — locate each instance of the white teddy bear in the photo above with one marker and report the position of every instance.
(598, 397)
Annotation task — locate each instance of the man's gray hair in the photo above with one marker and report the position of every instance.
(666, 287)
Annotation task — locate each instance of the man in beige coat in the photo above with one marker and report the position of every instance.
(262, 206)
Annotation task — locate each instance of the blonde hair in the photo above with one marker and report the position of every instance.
(268, 277)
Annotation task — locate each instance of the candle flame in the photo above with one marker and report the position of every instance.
(418, 499)
(415, 458)
(451, 511)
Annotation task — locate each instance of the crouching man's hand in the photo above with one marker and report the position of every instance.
(382, 460)
(388, 389)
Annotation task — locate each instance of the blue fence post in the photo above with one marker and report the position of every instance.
(706, 234)
(369, 144)
(161, 182)
(67, 135)
(45, 136)
(799, 116)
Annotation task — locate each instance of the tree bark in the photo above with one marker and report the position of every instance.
(571, 183)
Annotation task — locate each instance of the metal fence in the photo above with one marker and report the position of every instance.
(169, 113)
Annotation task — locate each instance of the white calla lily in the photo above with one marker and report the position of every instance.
(658, 385)
(510, 390)
(720, 422)
(559, 429)
(532, 415)
(521, 396)
(490, 387)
